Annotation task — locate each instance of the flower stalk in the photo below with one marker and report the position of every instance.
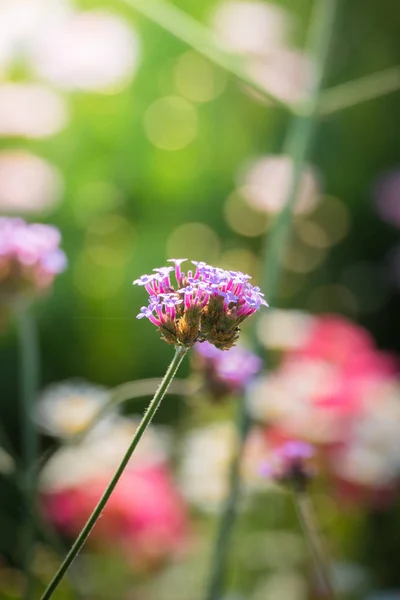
(180, 352)
(219, 558)
(297, 146)
(29, 369)
(308, 521)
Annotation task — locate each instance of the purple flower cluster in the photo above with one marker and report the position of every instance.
(290, 464)
(30, 256)
(208, 303)
(227, 372)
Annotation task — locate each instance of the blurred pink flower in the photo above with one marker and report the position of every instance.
(145, 517)
(94, 50)
(335, 339)
(28, 183)
(30, 256)
(253, 28)
(31, 110)
(264, 183)
(339, 392)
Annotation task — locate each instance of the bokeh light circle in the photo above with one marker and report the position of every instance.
(250, 27)
(196, 241)
(94, 50)
(197, 79)
(28, 183)
(110, 240)
(31, 110)
(243, 218)
(171, 123)
(265, 185)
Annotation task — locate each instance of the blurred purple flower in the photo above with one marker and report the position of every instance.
(289, 464)
(208, 304)
(30, 256)
(227, 372)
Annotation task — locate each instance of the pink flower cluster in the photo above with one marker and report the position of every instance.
(339, 393)
(145, 518)
(206, 303)
(30, 256)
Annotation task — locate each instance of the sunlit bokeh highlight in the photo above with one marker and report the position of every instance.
(93, 50)
(171, 123)
(31, 111)
(28, 183)
(265, 184)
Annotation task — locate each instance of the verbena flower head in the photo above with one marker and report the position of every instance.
(226, 372)
(30, 256)
(206, 303)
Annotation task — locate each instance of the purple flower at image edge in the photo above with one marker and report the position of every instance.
(30, 255)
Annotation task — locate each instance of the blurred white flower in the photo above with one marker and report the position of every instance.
(372, 455)
(28, 183)
(67, 408)
(207, 453)
(171, 123)
(31, 111)
(290, 399)
(250, 27)
(284, 329)
(285, 73)
(99, 454)
(94, 50)
(206, 456)
(265, 184)
(22, 19)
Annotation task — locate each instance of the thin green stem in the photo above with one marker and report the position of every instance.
(129, 391)
(359, 90)
(29, 369)
(118, 395)
(228, 515)
(297, 146)
(315, 542)
(202, 39)
(146, 420)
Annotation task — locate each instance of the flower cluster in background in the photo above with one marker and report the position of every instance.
(226, 373)
(145, 519)
(209, 304)
(30, 257)
(67, 409)
(340, 393)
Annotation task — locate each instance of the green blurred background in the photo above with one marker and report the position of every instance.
(147, 168)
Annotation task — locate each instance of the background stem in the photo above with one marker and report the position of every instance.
(297, 146)
(228, 514)
(147, 417)
(29, 377)
(202, 39)
(314, 539)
